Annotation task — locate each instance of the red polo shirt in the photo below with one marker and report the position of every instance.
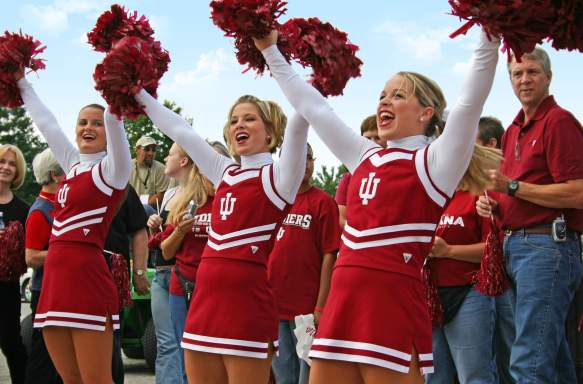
(546, 150)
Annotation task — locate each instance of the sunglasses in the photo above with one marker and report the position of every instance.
(149, 149)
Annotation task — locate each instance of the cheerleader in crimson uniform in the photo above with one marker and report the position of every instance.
(231, 327)
(300, 268)
(185, 236)
(78, 307)
(462, 343)
(376, 326)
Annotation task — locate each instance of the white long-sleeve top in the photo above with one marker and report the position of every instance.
(115, 162)
(288, 171)
(448, 156)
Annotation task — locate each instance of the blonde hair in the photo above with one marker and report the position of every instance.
(476, 177)
(194, 189)
(428, 94)
(20, 164)
(272, 116)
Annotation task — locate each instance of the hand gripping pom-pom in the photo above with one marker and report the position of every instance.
(521, 24)
(132, 64)
(12, 261)
(115, 24)
(121, 277)
(247, 18)
(247, 54)
(431, 296)
(326, 50)
(17, 51)
(491, 279)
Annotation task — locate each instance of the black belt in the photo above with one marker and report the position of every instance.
(540, 230)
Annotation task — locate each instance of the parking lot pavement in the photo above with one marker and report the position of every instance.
(136, 371)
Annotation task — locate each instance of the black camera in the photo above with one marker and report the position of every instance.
(559, 229)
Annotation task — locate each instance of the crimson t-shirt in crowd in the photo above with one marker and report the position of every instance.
(38, 229)
(308, 232)
(459, 225)
(342, 189)
(547, 149)
(190, 251)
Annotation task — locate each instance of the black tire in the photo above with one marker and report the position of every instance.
(149, 344)
(134, 352)
(26, 332)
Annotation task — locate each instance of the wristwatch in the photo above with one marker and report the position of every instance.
(512, 187)
(140, 272)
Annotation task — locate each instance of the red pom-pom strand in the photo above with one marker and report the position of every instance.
(568, 30)
(132, 64)
(121, 278)
(115, 24)
(247, 18)
(12, 262)
(521, 24)
(431, 296)
(17, 51)
(492, 279)
(326, 50)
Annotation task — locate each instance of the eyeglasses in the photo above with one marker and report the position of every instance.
(149, 149)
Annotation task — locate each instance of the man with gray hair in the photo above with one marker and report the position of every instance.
(148, 177)
(540, 206)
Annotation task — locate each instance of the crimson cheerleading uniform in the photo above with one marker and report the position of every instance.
(189, 254)
(460, 224)
(376, 312)
(233, 311)
(309, 231)
(77, 287)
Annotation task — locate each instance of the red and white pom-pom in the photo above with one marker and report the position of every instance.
(326, 50)
(492, 279)
(131, 64)
(121, 277)
(12, 262)
(521, 24)
(17, 51)
(568, 30)
(431, 296)
(247, 18)
(115, 24)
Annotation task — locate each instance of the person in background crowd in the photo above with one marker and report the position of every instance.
(48, 173)
(462, 343)
(540, 206)
(490, 131)
(300, 269)
(13, 209)
(368, 129)
(147, 177)
(186, 232)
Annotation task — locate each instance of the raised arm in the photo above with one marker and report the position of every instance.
(65, 153)
(116, 166)
(450, 154)
(289, 171)
(210, 163)
(345, 143)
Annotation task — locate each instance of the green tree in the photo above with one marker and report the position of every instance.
(144, 126)
(16, 128)
(327, 178)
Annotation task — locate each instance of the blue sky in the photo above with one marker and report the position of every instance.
(204, 77)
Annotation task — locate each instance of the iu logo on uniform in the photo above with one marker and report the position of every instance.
(368, 188)
(62, 195)
(227, 205)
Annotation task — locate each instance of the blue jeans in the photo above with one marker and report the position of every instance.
(504, 335)
(463, 347)
(288, 367)
(544, 275)
(168, 367)
(178, 312)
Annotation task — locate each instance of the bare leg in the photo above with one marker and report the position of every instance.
(93, 350)
(373, 374)
(334, 371)
(205, 368)
(59, 342)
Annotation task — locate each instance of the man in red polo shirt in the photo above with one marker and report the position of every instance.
(541, 210)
